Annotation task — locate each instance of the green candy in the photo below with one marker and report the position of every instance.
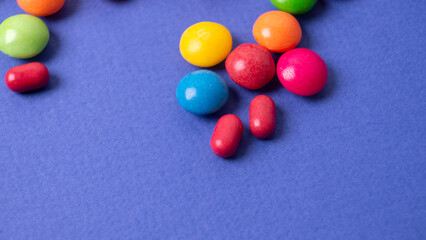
(23, 36)
(294, 6)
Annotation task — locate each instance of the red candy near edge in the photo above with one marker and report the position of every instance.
(27, 77)
(250, 66)
(302, 72)
(262, 116)
(226, 136)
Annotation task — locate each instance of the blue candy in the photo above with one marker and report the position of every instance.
(202, 92)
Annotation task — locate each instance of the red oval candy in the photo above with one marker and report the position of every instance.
(262, 116)
(250, 66)
(27, 77)
(226, 136)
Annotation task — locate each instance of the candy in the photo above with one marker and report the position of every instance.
(277, 31)
(226, 136)
(302, 72)
(41, 8)
(250, 66)
(205, 44)
(27, 77)
(262, 116)
(23, 36)
(202, 92)
(294, 6)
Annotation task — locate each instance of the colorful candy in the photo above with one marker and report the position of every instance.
(277, 31)
(262, 116)
(226, 136)
(205, 44)
(202, 92)
(41, 8)
(27, 77)
(23, 36)
(302, 72)
(250, 66)
(294, 6)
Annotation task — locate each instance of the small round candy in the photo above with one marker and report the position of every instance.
(41, 8)
(226, 136)
(23, 36)
(302, 72)
(250, 66)
(202, 92)
(294, 6)
(27, 77)
(262, 116)
(205, 44)
(277, 31)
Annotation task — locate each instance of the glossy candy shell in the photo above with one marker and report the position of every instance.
(41, 8)
(226, 136)
(23, 36)
(294, 6)
(27, 77)
(262, 116)
(302, 72)
(205, 44)
(202, 92)
(277, 31)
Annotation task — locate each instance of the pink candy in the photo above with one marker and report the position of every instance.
(302, 72)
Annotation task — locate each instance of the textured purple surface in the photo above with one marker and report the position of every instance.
(106, 152)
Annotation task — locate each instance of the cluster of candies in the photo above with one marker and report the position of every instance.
(206, 44)
(25, 36)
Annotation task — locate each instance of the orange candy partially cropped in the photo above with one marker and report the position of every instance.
(41, 8)
(277, 31)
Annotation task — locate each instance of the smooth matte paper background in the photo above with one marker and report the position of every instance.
(106, 152)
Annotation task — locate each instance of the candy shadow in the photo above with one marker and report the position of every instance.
(280, 124)
(119, 1)
(276, 57)
(230, 107)
(67, 10)
(306, 40)
(329, 88)
(236, 41)
(316, 12)
(52, 84)
(244, 146)
(49, 52)
(273, 86)
(219, 67)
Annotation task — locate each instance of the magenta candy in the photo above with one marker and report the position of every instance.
(302, 72)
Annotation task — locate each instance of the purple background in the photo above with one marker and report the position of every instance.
(106, 152)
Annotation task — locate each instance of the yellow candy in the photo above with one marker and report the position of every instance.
(205, 44)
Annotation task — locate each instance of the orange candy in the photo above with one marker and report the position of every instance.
(277, 31)
(41, 8)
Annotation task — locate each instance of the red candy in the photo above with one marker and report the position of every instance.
(250, 66)
(226, 136)
(27, 77)
(302, 72)
(262, 116)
